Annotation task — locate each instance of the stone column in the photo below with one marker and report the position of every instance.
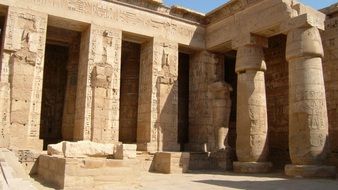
(252, 124)
(308, 120)
(22, 76)
(98, 91)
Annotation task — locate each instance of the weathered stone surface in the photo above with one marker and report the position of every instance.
(221, 108)
(308, 127)
(12, 174)
(169, 163)
(252, 167)
(125, 151)
(81, 149)
(308, 112)
(55, 149)
(251, 145)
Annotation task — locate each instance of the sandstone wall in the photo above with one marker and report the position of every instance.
(22, 75)
(277, 92)
(330, 66)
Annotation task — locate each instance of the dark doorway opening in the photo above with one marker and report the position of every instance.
(58, 105)
(183, 99)
(130, 68)
(2, 25)
(230, 77)
(53, 93)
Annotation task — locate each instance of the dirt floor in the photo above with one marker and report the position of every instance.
(216, 181)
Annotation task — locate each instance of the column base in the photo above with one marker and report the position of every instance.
(252, 167)
(310, 171)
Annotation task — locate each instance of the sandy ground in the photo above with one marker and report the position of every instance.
(217, 181)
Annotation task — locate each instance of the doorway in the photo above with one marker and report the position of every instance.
(130, 68)
(183, 99)
(230, 77)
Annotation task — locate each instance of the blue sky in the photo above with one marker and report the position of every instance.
(205, 6)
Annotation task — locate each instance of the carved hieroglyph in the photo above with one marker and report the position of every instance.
(252, 126)
(22, 69)
(166, 57)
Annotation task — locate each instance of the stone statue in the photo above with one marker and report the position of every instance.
(221, 109)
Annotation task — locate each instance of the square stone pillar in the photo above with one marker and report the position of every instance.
(98, 92)
(158, 110)
(22, 77)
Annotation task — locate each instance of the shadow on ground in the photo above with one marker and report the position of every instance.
(275, 184)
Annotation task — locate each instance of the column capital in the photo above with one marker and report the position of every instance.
(249, 39)
(250, 57)
(304, 42)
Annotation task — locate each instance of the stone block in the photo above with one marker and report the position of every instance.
(125, 151)
(168, 162)
(81, 149)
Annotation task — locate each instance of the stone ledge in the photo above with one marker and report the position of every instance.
(310, 171)
(252, 167)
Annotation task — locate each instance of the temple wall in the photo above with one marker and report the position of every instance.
(330, 66)
(22, 75)
(277, 85)
(92, 105)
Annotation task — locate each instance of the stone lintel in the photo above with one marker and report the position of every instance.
(252, 167)
(250, 39)
(304, 20)
(310, 171)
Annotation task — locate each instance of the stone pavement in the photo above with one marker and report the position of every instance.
(219, 181)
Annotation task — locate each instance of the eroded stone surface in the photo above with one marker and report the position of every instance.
(251, 145)
(81, 149)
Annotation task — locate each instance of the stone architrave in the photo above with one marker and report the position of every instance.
(252, 124)
(308, 119)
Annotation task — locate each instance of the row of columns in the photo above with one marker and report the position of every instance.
(308, 120)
